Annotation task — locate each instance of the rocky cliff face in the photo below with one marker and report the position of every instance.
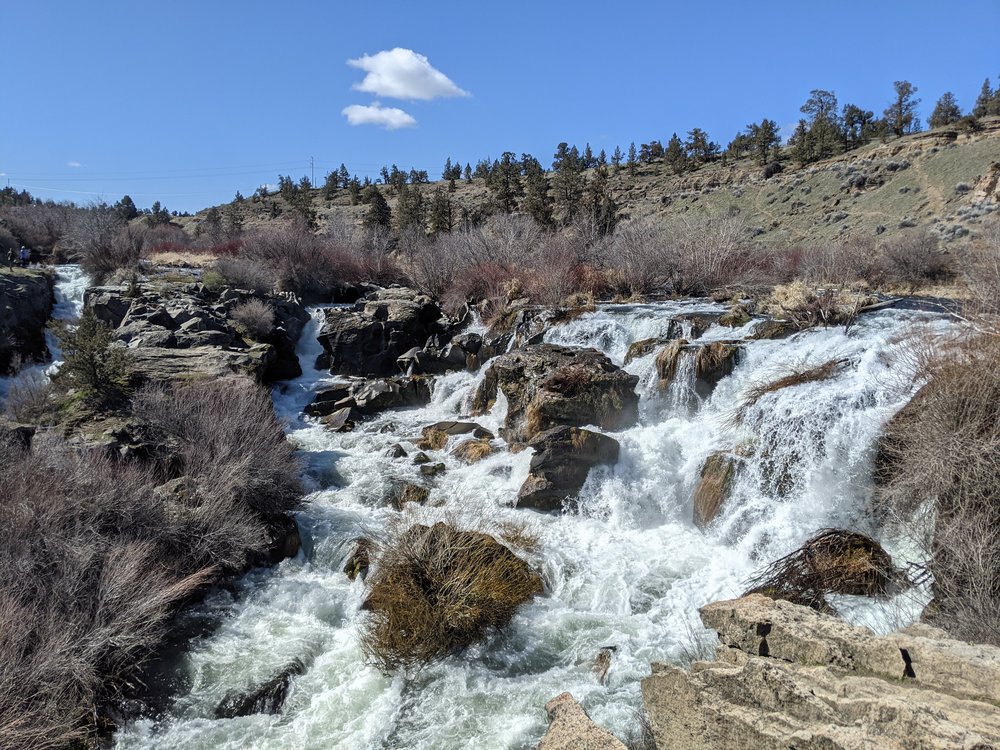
(786, 676)
(26, 298)
(176, 331)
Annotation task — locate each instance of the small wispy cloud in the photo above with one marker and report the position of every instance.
(74, 164)
(390, 118)
(401, 73)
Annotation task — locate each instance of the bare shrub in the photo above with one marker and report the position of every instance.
(554, 271)
(807, 306)
(228, 439)
(255, 317)
(30, 398)
(981, 273)
(103, 254)
(245, 273)
(942, 453)
(913, 259)
(436, 590)
(843, 264)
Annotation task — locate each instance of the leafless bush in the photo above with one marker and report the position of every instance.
(110, 250)
(554, 271)
(30, 398)
(85, 588)
(41, 226)
(942, 452)
(228, 439)
(913, 259)
(300, 261)
(981, 273)
(255, 317)
(245, 273)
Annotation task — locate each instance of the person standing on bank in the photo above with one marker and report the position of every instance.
(25, 256)
(10, 259)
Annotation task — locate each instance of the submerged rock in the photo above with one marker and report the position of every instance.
(548, 385)
(563, 457)
(786, 676)
(267, 698)
(571, 729)
(359, 561)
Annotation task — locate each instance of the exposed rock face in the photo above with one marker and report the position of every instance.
(787, 676)
(267, 698)
(548, 385)
(183, 330)
(15, 433)
(563, 458)
(26, 298)
(571, 729)
(370, 337)
(713, 488)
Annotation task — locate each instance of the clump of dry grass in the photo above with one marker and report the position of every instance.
(834, 561)
(473, 450)
(797, 376)
(666, 362)
(436, 590)
(432, 440)
(807, 306)
(717, 358)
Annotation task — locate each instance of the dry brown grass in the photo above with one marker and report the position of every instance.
(808, 306)
(666, 362)
(182, 258)
(473, 450)
(833, 561)
(714, 358)
(432, 440)
(797, 376)
(436, 590)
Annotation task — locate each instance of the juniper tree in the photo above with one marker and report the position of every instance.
(567, 181)
(764, 141)
(675, 156)
(379, 214)
(633, 161)
(330, 185)
(537, 202)
(467, 172)
(983, 101)
(126, 208)
(504, 182)
(945, 112)
(442, 217)
(344, 176)
(699, 148)
(858, 125)
(411, 212)
(900, 115)
(616, 158)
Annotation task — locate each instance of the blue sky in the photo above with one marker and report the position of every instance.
(187, 102)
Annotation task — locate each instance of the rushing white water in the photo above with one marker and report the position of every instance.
(628, 570)
(71, 283)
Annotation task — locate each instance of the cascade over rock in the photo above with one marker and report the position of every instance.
(547, 385)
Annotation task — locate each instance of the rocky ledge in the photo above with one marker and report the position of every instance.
(786, 676)
(178, 331)
(26, 299)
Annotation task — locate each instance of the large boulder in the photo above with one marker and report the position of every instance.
(368, 338)
(548, 385)
(364, 398)
(26, 299)
(571, 729)
(787, 676)
(563, 457)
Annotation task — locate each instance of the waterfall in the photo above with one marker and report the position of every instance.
(629, 569)
(70, 285)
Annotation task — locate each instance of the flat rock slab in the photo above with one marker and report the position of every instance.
(571, 729)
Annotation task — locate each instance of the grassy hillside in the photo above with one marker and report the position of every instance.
(944, 180)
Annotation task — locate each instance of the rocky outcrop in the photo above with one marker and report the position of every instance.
(548, 385)
(562, 460)
(787, 676)
(176, 331)
(14, 433)
(26, 299)
(370, 338)
(571, 729)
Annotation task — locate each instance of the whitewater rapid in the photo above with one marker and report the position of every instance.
(628, 570)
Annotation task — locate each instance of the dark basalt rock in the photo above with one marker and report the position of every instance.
(563, 458)
(548, 385)
(267, 698)
(26, 299)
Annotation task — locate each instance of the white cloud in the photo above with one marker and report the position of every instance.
(390, 118)
(403, 74)
(73, 164)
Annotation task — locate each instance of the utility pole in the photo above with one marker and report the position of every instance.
(312, 171)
